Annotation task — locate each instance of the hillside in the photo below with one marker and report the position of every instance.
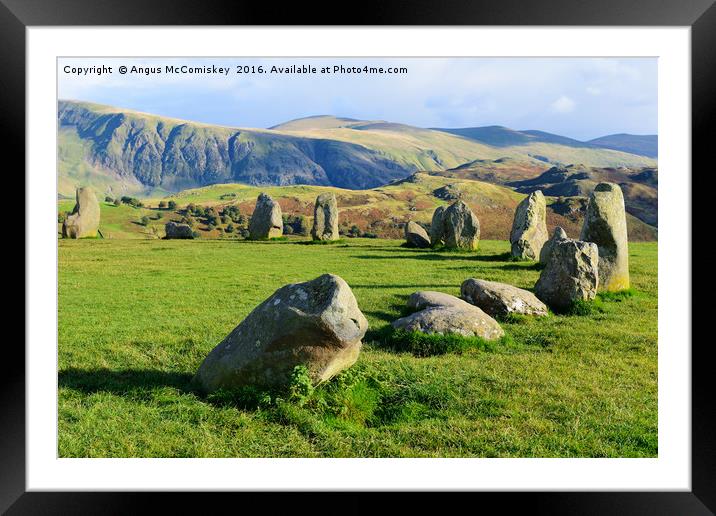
(498, 136)
(440, 149)
(379, 211)
(130, 148)
(639, 186)
(119, 151)
(644, 145)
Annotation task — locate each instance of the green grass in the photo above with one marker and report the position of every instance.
(137, 317)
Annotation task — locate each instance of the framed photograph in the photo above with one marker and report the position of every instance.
(418, 252)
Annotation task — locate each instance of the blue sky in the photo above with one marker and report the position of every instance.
(578, 97)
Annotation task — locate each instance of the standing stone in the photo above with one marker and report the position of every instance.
(605, 225)
(529, 228)
(461, 229)
(325, 218)
(266, 221)
(436, 227)
(415, 235)
(317, 324)
(571, 274)
(173, 230)
(544, 254)
(501, 299)
(83, 222)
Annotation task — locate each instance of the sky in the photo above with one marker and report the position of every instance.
(582, 98)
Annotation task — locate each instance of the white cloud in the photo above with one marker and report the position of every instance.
(593, 90)
(563, 104)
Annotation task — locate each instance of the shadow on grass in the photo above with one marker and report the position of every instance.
(340, 242)
(140, 382)
(521, 266)
(123, 381)
(377, 257)
(502, 257)
(397, 311)
(442, 255)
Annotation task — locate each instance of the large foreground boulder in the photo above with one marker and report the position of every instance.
(429, 298)
(415, 235)
(571, 274)
(461, 229)
(317, 324)
(436, 227)
(546, 252)
(501, 299)
(529, 227)
(266, 221)
(83, 222)
(605, 225)
(174, 230)
(325, 218)
(468, 321)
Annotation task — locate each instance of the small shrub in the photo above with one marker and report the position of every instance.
(172, 205)
(117, 202)
(301, 387)
(144, 220)
(162, 205)
(108, 199)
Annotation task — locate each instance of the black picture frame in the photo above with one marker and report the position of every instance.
(700, 15)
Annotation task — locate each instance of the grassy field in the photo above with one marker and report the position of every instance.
(136, 318)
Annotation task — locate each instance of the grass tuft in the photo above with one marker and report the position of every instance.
(585, 308)
(430, 344)
(617, 296)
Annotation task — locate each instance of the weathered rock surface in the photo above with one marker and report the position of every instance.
(416, 236)
(546, 252)
(317, 324)
(429, 298)
(468, 321)
(174, 230)
(461, 229)
(501, 299)
(571, 274)
(436, 227)
(529, 227)
(605, 225)
(83, 222)
(266, 221)
(325, 218)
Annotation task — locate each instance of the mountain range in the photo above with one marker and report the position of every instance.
(122, 151)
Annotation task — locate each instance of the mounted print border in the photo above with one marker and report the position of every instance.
(16, 16)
